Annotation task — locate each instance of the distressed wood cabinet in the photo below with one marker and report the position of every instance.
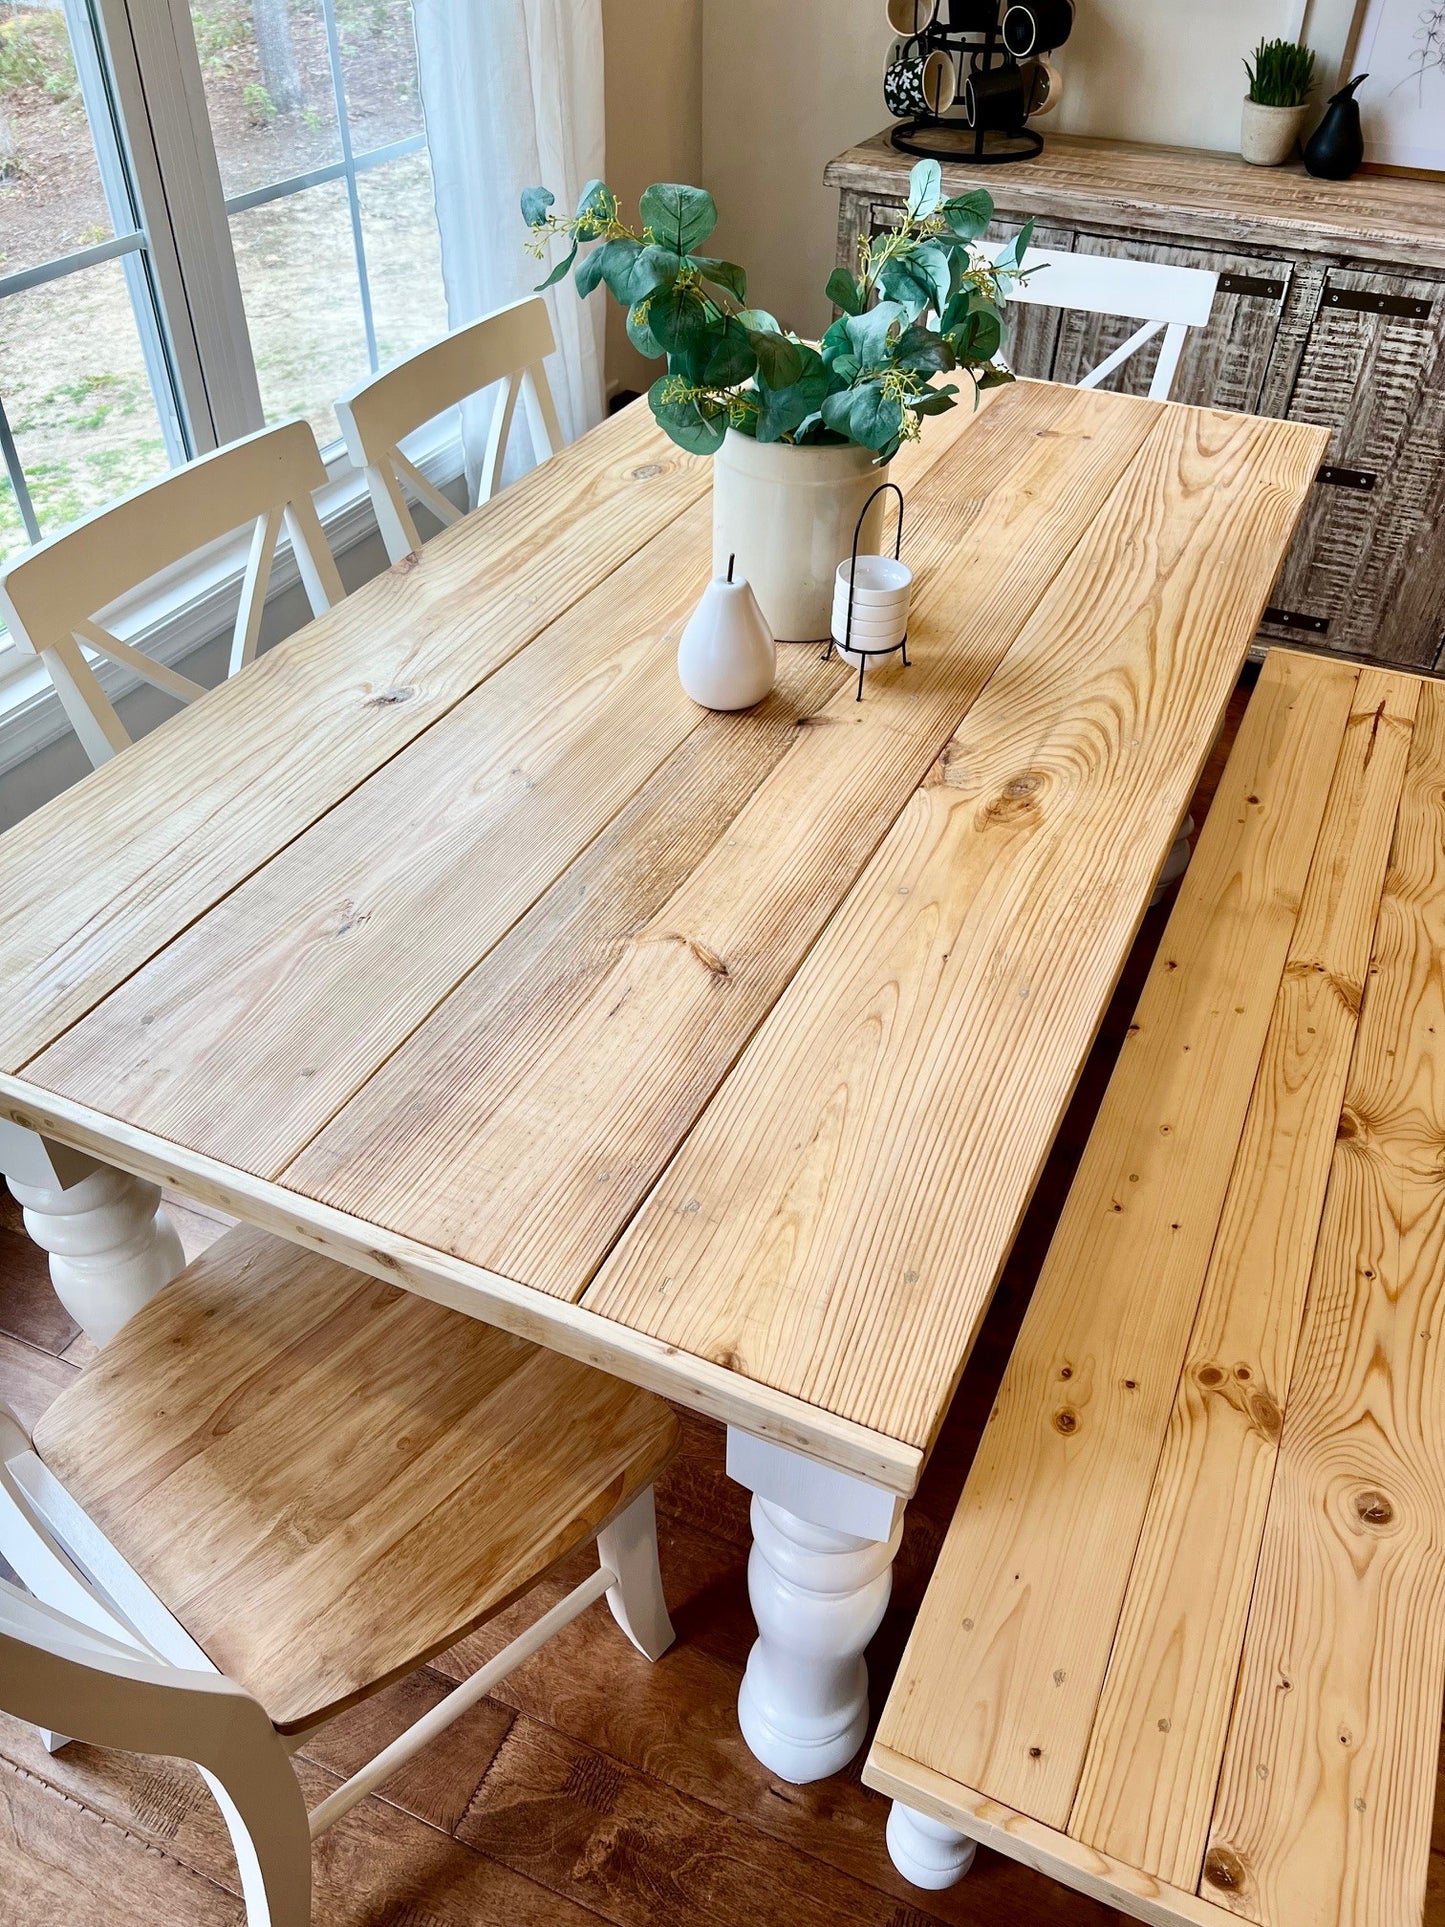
(1331, 310)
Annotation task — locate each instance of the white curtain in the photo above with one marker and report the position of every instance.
(512, 93)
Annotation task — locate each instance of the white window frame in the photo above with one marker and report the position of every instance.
(163, 182)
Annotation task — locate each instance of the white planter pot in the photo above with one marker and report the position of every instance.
(1268, 135)
(788, 515)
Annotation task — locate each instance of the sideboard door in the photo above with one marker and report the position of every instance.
(1368, 560)
(1223, 365)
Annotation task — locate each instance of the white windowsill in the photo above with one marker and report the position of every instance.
(196, 601)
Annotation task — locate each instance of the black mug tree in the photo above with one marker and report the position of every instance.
(966, 76)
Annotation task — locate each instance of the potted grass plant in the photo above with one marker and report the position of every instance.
(802, 431)
(1281, 77)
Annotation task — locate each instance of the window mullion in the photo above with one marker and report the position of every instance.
(185, 179)
(353, 199)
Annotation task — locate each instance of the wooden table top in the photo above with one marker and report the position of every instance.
(1185, 1652)
(1161, 190)
(722, 1051)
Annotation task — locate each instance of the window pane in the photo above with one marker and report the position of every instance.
(51, 200)
(78, 398)
(267, 75)
(378, 64)
(403, 256)
(303, 303)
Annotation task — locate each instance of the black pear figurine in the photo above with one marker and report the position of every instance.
(1337, 146)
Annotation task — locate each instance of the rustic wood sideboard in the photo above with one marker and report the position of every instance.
(1331, 310)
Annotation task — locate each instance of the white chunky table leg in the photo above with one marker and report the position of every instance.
(819, 1577)
(927, 1852)
(111, 1246)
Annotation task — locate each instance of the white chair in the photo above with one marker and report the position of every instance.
(1165, 300)
(49, 598)
(508, 345)
(283, 1484)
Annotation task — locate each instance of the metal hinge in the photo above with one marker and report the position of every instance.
(1292, 619)
(1405, 307)
(1251, 284)
(1362, 478)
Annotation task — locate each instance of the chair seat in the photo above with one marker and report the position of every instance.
(326, 1479)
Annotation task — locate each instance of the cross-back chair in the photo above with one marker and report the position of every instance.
(49, 598)
(283, 1484)
(509, 345)
(1164, 299)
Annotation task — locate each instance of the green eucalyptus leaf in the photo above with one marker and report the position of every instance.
(978, 338)
(919, 279)
(836, 341)
(1010, 258)
(646, 271)
(937, 401)
(782, 411)
(995, 376)
(865, 414)
(725, 356)
(535, 204)
(639, 333)
(756, 320)
(843, 291)
(780, 359)
(922, 352)
(678, 319)
(696, 425)
(867, 335)
(845, 370)
(598, 200)
(679, 217)
(969, 214)
(925, 190)
(561, 270)
(722, 274)
(589, 270)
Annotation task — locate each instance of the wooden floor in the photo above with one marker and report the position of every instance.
(593, 1787)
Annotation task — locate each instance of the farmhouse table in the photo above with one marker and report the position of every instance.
(721, 1051)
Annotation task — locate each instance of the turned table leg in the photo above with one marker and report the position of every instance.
(819, 1578)
(111, 1246)
(927, 1852)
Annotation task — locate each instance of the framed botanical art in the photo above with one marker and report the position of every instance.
(1400, 44)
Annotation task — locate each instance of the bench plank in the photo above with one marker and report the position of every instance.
(1063, 1474)
(1325, 1798)
(1152, 1766)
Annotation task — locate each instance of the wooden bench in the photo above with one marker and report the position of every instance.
(1184, 1649)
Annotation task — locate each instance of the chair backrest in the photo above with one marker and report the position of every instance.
(49, 598)
(1164, 299)
(507, 345)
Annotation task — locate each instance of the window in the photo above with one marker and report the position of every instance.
(211, 217)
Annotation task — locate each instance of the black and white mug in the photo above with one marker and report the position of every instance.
(1037, 26)
(917, 81)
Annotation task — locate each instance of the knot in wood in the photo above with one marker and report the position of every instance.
(646, 472)
(1066, 1420)
(1209, 1376)
(1224, 1868)
(389, 698)
(1374, 1508)
(1266, 1416)
(1018, 801)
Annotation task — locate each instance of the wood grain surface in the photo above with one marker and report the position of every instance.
(1327, 1787)
(447, 1011)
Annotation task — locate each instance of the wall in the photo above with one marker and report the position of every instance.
(790, 83)
(654, 56)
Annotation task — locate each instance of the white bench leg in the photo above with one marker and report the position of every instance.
(819, 1578)
(111, 1246)
(927, 1852)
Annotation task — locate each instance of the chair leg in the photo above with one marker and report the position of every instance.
(272, 1842)
(628, 1548)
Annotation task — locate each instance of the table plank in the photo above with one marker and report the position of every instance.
(1328, 1780)
(1063, 1479)
(103, 877)
(555, 1129)
(1151, 1770)
(814, 1231)
(255, 1025)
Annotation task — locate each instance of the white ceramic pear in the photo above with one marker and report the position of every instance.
(727, 658)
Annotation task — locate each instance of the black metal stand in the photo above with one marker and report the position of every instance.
(848, 643)
(941, 137)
